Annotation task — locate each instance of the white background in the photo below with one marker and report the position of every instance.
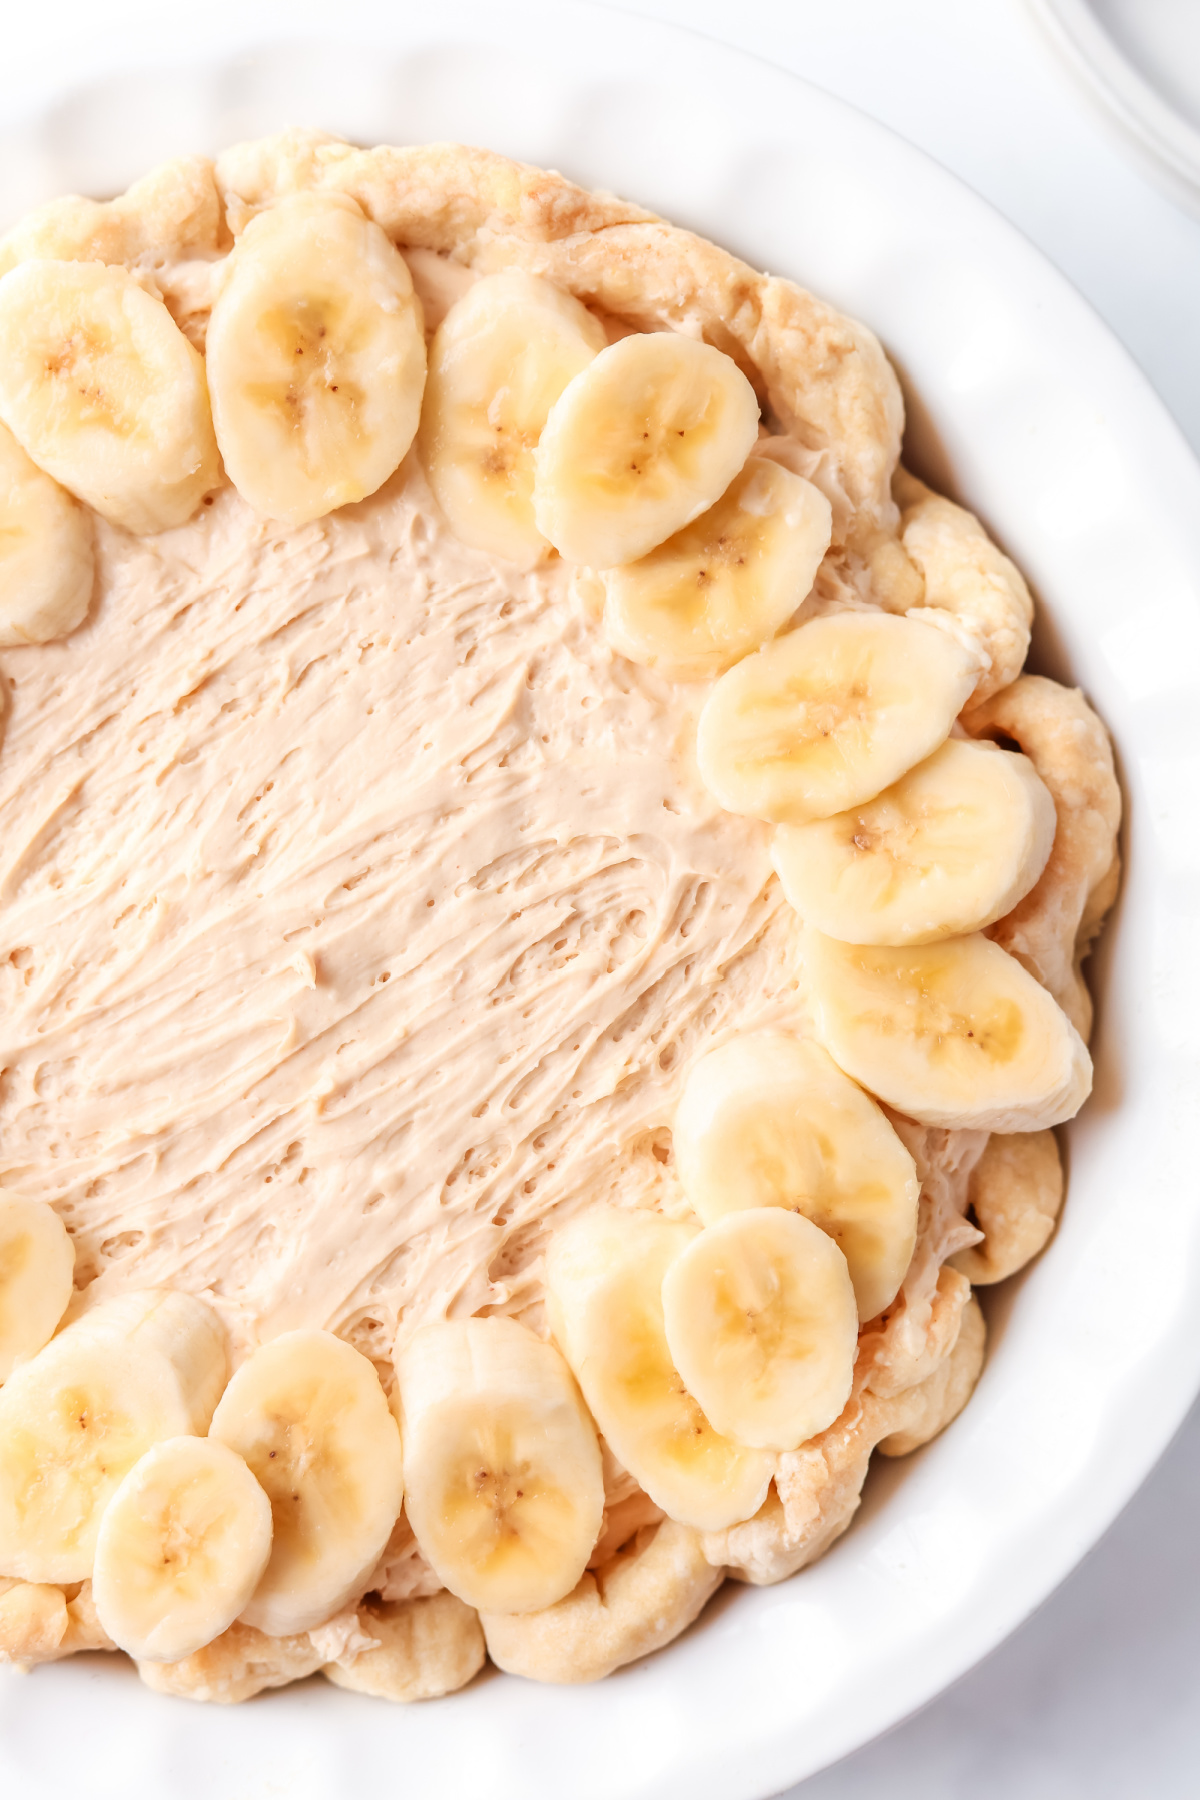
(1097, 1695)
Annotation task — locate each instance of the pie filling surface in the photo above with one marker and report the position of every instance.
(540, 924)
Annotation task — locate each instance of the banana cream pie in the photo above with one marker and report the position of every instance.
(540, 925)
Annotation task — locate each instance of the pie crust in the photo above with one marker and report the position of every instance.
(834, 413)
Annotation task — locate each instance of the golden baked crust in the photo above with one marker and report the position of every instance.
(825, 382)
(40, 1623)
(824, 376)
(171, 214)
(818, 1487)
(645, 1596)
(967, 579)
(1015, 1193)
(423, 1648)
(235, 1666)
(1052, 929)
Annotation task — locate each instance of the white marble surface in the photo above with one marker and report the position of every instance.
(1161, 38)
(1095, 1696)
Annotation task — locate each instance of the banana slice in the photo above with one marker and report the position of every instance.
(181, 1548)
(46, 568)
(499, 360)
(830, 715)
(37, 1265)
(770, 1120)
(505, 1482)
(104, 392)
(307, 1414)
(316, 358)
(604, 1277)
(762, 1325)
(726, 583)
(75, 1419)
(949, 848)
(953, 1034)
(640, 443)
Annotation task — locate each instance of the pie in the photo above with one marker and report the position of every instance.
(540, 927)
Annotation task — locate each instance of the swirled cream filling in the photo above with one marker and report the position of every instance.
(358, 910)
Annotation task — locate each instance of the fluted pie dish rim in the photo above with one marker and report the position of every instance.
(822, 108)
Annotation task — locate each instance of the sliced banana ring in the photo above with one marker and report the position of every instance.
(830, 715)
(499, 360)
(604, 1276)
(46, 564)
(762, 1324)
(770, 1120)
(505, 1482)
(818, 1487)
(726, 583)
(316, 358)
(37, 1264)
(104, 392)
(75, 1419)
(953, 1034)
(638, 1602)
(640, 443)
(949, 848)
(308, 1415)
(182, 1546)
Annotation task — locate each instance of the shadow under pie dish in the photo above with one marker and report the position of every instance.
(547, 897)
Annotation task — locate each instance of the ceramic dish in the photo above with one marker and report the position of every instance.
(1141, 60)
(1025, 408)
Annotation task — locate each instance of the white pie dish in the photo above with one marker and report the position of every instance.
(1045, 427)
(1141, 61)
